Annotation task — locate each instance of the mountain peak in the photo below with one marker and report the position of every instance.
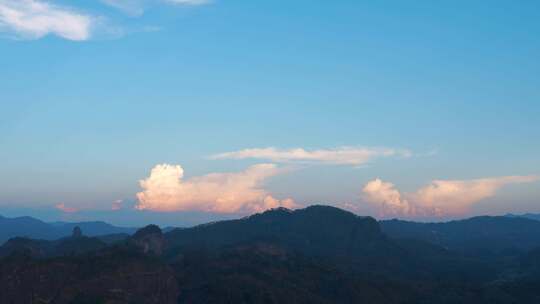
(148, 230)
(77, 232)
(318, 229)
(150, 240)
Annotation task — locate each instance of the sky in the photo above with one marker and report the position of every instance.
(178, 112)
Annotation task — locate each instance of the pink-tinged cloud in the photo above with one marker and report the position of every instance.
(439, 198)
(338, 156)
(239, 192)
(386, 196)
(62, 207)
(116, 205)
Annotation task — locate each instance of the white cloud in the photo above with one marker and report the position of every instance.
(62, 207)
(165, 190)
(338, 156)
(440, 197)
(33, 19)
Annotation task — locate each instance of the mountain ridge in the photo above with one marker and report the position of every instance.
(319, 254)
(26, 226)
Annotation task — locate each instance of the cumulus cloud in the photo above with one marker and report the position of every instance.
(440, 197)
(166, 190)
(337, 156)
(33, 19)
(62, 207)
(387, 196)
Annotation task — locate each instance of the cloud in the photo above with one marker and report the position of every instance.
(117, 205)
(387, 196)
(439, 198)
(130, 7)
(166, 190)
(33, 19)
(62, 207)
(137, 7)
(188, 2)
(338, 156)
(456, 196)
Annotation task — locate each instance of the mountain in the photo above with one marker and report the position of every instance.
(113, 275)
(316, 229)
(532, 216)
(274, 257)
(265, 272)
(76, 244)
(322, 254)
(319, 254)
(26, 226)
(484, 235)
(33, 228)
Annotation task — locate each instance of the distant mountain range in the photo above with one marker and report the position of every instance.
(478, 235)
(33, 228)
(36, 229)
(531, 216)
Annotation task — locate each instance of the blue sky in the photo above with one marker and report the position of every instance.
(92, 103)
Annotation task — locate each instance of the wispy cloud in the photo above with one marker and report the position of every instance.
(62, 207)
(354, 156)
(33, 19)
(137, 7)
(439, 198)
(130, 7)
(188, 2)
(117, 205)
(165, 190)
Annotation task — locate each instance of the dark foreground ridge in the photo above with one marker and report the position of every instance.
(319, 254)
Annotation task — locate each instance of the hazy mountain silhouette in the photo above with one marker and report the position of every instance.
(478, 235)
(36, 229)
(76, 244)
(532, 216)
